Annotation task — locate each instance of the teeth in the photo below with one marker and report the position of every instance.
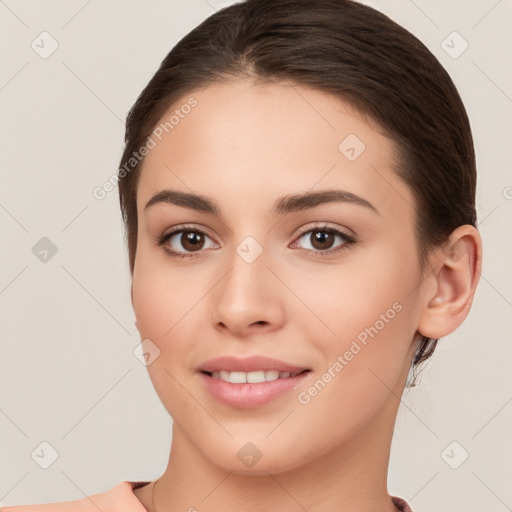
(255, 377)
(237, 377)
(251, 377)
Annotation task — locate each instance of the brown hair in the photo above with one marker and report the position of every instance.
(342, 48)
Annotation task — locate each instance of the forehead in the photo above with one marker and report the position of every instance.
(249, 143)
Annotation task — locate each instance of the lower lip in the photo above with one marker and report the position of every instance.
(246, 396)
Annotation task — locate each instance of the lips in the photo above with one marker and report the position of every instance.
(248, 364)
(249, 382)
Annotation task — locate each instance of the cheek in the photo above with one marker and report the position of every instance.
(164, 299)
(171, 307)
(164, 307)
(363, 364)
(370, 313)
(361, 294)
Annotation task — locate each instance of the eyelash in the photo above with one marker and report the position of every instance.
(347, 239)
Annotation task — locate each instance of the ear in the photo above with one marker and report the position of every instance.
(133, 306)
(451, 285)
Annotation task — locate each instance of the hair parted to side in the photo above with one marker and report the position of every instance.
(345, 49)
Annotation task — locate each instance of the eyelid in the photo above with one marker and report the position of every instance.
(325, 225)
(187, 227)
(348, 239)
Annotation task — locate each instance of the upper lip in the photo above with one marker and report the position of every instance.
(248, 364)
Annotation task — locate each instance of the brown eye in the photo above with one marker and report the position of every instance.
(186, 242)
(192, 240)
(324, 240)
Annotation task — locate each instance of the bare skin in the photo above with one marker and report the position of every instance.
(244, 146)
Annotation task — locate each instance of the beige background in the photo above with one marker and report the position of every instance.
(68, 375)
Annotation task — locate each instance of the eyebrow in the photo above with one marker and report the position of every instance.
(284, 205)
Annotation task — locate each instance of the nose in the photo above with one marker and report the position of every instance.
(249, 299)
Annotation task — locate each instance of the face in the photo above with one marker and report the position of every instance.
(298, 265)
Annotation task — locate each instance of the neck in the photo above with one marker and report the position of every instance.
(351, 478)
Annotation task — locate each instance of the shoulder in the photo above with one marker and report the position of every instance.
(402, 505)
(117, 499)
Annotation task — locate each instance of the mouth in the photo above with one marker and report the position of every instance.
(254, 377)
(249, 382)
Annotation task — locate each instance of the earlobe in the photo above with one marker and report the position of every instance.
(456, 271)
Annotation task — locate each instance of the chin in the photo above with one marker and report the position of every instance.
(247, 460)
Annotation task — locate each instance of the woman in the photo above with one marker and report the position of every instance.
(298, 187)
